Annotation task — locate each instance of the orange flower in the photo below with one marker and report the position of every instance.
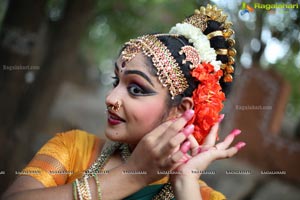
(208, 98)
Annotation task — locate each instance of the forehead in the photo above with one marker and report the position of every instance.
(138, 62)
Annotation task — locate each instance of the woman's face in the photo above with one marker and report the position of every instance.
(142, 98)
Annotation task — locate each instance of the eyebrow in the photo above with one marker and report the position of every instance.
(142, 74)
(137, 72)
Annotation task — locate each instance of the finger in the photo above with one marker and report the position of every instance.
(227, 153)
(181, 136)
(177, 125)
(175, 142)
(240, 145)
(179, 155)
(194, 145)
(165, 143)
(221, 118)
(210, 140)
(185, 147)
(213, 134)
(183, 159)
(158, 131)
(228, 140)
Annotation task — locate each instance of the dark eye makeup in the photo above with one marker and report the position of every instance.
(134, 88)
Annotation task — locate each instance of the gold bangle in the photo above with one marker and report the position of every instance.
(222, 52)
(87, 188)
(98, 186)
(75, 197)
(84, 189)
(214, 34)
(78, 190)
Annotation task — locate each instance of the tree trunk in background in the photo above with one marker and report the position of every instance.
(34, 105)
(19, 33)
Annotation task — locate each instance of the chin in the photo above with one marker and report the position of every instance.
(117, 136)
(112, 134)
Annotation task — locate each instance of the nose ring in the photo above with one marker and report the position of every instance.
(115, 107)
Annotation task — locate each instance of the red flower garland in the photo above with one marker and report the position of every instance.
(208, 98)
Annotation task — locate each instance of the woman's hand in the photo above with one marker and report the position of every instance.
(159, 150)
(202, 156)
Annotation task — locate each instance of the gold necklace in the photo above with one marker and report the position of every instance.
(165, 193)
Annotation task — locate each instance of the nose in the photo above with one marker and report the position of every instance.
(114, 96)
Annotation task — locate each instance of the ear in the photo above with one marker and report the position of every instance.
(185, 104)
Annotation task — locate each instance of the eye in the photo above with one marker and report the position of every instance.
(136, 90)
(116, 81)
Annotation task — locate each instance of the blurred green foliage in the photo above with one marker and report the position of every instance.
(115, 22)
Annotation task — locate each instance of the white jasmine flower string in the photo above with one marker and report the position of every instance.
(199, 41)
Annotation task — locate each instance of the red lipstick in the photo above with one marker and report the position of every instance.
(114, 119)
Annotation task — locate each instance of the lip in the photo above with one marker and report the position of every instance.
(114, 119)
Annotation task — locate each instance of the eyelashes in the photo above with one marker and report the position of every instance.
(116, 81)
(133, 88)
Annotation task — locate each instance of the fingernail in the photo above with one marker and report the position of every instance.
(240, 145)
(188, 130)
(187, 159)
(221, 118)
(185, 147)
(199, 150)
(188, 114)
(236, 132)
(183, 159)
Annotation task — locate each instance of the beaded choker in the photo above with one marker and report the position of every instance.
(165, 193)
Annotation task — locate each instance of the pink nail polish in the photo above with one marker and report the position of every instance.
(188, 114)
(188, 130)
(183, 159)
(236, 132)
(202, 150)
(185, 147)
(186, 160)
(199, 150)
(221, 118)
(240, 145)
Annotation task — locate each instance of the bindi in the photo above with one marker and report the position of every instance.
(123, 65)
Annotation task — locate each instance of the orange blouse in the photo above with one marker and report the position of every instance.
(66, 156)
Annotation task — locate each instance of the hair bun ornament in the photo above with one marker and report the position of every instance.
(200, 20)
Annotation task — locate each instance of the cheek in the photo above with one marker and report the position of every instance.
(149, 115)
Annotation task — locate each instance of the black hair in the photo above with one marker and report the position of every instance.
(175, 43)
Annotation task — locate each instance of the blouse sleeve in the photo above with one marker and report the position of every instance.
(207, 193)
(63, 158)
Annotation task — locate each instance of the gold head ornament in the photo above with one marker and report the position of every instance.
(168, 71)
(201, 18)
